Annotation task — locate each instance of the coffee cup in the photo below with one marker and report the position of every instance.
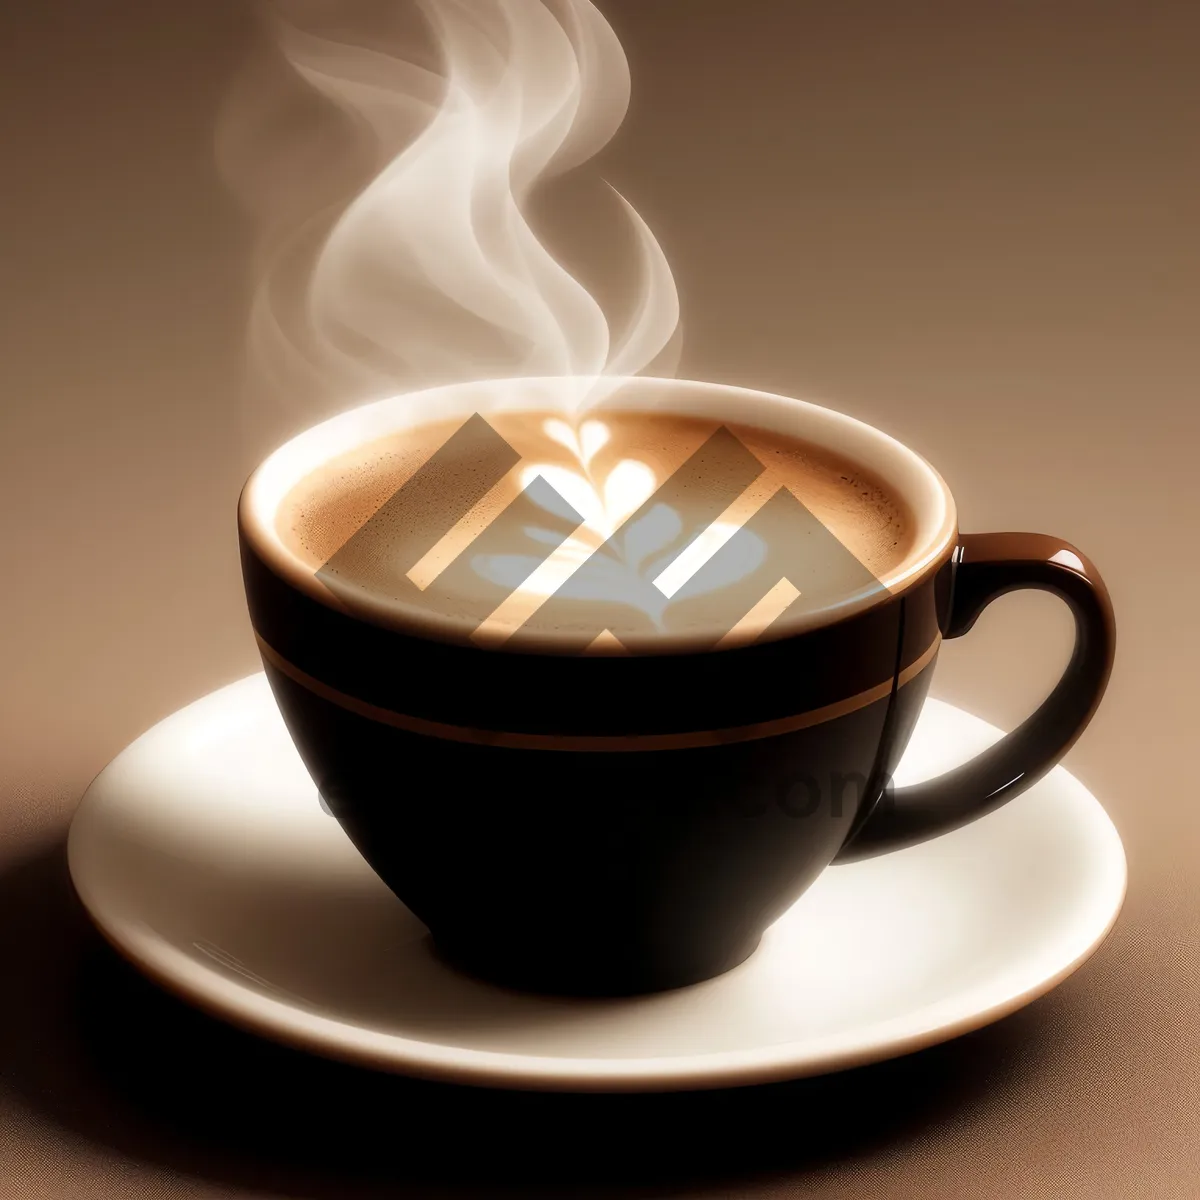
(607, 795)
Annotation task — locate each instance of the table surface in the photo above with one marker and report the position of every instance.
(971, 225)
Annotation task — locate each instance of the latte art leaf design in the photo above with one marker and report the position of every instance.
(631, 557)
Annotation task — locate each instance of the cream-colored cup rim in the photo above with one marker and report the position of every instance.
(894, 464)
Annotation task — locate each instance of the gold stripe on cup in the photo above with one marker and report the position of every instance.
(609, 743)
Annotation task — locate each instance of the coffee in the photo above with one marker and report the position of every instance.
(603, 533)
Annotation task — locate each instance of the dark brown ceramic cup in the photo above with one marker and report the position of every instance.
(614, 824)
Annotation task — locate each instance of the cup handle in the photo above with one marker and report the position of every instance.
(986, 566)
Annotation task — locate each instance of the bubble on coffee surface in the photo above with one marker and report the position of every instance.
(595, 542)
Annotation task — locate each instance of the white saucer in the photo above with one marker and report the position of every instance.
(203, 854)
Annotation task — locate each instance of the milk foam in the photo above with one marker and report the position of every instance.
(595, 546)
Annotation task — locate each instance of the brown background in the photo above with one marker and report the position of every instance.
(973, 224)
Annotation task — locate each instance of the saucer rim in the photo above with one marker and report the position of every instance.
(238, 1005)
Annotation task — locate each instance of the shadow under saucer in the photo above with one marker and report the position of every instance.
(92, 1045)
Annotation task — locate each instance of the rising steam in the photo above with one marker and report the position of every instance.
(430, 272)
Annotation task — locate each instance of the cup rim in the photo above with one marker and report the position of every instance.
(904, 470)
